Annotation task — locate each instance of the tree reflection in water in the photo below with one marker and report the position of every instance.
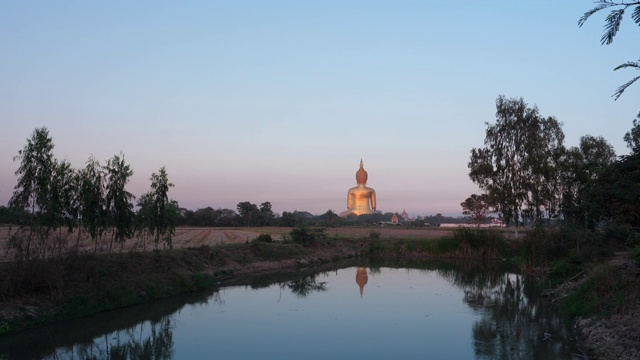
(146, 340)
(513, 324)
(304, 286)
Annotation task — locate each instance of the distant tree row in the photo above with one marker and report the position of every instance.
(528, 175)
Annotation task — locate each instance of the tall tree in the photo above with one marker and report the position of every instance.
(611, 27)
(33, 192)
(118, 200)
(508, 167)
(584, 164)
(92, 200)
(162, 216)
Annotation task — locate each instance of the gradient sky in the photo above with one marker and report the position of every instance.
(279, 100)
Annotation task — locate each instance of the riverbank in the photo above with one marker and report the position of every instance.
(47, 291)
(52, 290)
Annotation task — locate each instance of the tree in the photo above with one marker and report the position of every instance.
(478, 206)
(36, 169)
(249, 213)
(92, 200)
(583, 166)
(514, 161)
(118, 199)
(266, 214)
(162, 213)
(632, 137)
(611, 27)
(33, 192)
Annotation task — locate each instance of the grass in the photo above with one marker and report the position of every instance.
(600, 294)
(462, 243)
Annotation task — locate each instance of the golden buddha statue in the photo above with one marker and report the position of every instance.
(360, 199)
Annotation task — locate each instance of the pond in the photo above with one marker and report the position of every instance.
(437, 311)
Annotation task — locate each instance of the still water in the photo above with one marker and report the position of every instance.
(441, 311)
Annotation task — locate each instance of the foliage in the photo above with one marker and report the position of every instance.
(92, 200)
(118, 200)
(632, 137)
(584, 165)
(611, 27)
(163, 212)
(306, 236)
(478, 206)
(518, 164)
(249, 213)
(4, 327)
(619, 190)
(264, 238)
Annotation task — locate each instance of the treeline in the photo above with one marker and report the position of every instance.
(530, 176)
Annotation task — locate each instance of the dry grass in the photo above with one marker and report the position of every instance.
(187, 237)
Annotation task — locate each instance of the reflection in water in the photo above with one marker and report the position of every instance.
(304, 286)
(513, 322)
(495, 313)
(361, 279)
(147, 340)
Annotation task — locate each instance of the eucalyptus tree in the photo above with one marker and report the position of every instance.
(118, 200)
(64, 195)
(611, 27)
(92, 200)
(145, 218)
(509, 168)
(162, 210)
(33, 193)
(545, 152)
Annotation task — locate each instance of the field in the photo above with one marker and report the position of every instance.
(200, 236)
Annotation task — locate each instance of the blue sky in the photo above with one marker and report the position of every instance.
(279, 100)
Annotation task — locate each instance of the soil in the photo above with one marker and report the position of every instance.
(616, 336)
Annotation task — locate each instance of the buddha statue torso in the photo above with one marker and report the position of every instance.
(360, 199)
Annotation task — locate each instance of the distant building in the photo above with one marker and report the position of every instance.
(394, 219)
(404, 215)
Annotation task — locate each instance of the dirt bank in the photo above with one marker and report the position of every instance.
(614, 333)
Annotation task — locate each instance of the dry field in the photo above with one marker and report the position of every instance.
(199, 236)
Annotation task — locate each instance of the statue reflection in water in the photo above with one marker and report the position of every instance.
(361, 279)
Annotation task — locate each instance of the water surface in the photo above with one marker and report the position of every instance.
(442, 311)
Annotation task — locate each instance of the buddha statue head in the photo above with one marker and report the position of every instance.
(361, 175)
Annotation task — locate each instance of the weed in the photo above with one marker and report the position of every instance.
(373, 234)
(4, 327)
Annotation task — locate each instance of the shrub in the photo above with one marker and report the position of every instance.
(263, 238)
(306, 236)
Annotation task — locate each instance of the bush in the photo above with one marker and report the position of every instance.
(306, 236)
(263, 238)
